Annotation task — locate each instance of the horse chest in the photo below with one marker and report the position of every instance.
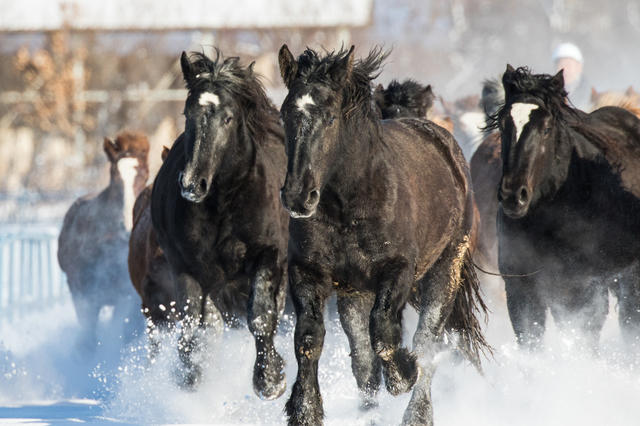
(355, 249)
(210, 242)
(567, 236)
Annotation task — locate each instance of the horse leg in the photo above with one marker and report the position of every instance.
(628, 292)
(354, 308)
(526, 311)
(309, 291)
(437, 293)
(268, 370)
(584, 307)
(190, 302)
(87, 312)
(395, 279)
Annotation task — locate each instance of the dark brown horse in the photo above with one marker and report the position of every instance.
(218, 219)
(148, 267)
(382, 212)
(570, 203)
(93, 242)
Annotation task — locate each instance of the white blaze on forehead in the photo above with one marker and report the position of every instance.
(303, 101)
(128, 169)
(209, 98)
(520, 114)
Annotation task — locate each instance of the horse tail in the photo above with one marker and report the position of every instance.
(468, 303)
(467, 306)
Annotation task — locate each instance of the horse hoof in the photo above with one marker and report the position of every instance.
(270, 391)
(400, 372)
(269, 381)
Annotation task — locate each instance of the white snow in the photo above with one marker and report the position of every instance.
(47, 377)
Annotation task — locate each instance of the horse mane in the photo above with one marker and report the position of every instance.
(260, 115)
(357, 90)
(409, 94)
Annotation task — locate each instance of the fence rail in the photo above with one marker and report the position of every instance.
(30, 277)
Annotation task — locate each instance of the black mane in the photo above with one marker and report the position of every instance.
(260, 115)
(357, 91)
(409, 94)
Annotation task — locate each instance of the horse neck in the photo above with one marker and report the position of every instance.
(121, 192)
(577, 153)
(360, 138)
(236, 163)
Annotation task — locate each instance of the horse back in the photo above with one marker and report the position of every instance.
(436, 176)
(618, 137)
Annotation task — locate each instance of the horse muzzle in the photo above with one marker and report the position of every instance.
(515, 204)
(300, 205)
(193, 191)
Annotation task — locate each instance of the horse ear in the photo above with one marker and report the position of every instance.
(250, 67)
(341, 71)
(111, 149)
(349, 60)
(506, 78)
(426, 99)
(288, 65)
(557, 81)
(187, 68)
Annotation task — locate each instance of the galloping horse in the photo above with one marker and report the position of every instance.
(93, 242)
(215, 209)
(570, 202)
(381, 212)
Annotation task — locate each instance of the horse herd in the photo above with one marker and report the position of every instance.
(350, 190)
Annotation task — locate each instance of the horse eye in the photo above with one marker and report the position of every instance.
(547, 131)
(332, 119)
(227, 120)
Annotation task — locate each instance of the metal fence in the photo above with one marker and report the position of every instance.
(29, 271)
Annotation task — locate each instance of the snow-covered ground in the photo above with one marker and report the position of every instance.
(48, 377)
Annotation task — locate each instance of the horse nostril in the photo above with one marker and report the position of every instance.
(313, 197)
(523, 195)
(203, 185)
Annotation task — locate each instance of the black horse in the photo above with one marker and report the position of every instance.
(570, 209)
(406, 99)
(382, 213)
(216, 211)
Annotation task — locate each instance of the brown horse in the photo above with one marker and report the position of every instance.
(148, 268)
(486, 170)
(629, 100)
(93, 242)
